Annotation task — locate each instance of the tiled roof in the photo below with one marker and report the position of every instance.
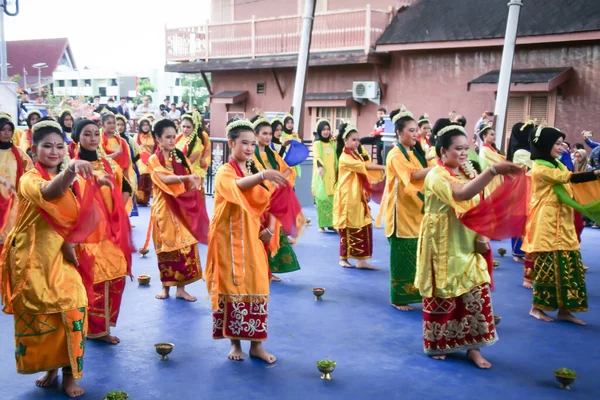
(24, 53)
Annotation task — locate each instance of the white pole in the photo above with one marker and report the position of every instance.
(301, 69)
(4, 71)
(510, 38)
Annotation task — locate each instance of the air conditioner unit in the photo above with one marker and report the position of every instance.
(365, 90)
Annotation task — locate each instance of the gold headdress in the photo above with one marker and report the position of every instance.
(121, 117)
(142, 120)
(401, 114)
(538, 131)
(276, 119)
(532, 122)
(320, 120)
(5, 115)
(484, 128)
(349, 129)
(451, 128)
(424, 118)
(45, 124)
(288, 115)
(30, 113)
(260, 120)
(239, 123)
(65, 112)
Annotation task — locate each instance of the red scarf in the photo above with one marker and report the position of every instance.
(144, 154)
(189, 207)
(72, 150)
(29, 136)
(6, 203)
(123, 158)
(89, 217)
(283, 205)
(118, 228)
(364, 179)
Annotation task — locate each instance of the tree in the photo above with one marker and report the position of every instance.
(144, 88)
(199, 91)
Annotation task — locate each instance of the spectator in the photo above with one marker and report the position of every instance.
(111, 106)
(162, 110)
(174, 113)
(166, 102)
(581, 161)
(145, 108)
(206, 115)
(195, 107)
(22, 114)
(375, 138)
(123, 108)
(485, 119)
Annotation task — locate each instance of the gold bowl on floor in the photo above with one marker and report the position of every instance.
(164, 349)
(318, 292)
(497, 319)
(565, 377)
(326, 368)
(144, 252)
(143, 280)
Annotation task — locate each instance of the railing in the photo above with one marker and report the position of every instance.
(356, 29)
(220, 154)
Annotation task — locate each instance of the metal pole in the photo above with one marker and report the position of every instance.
(510, 39)
(4, 72)
(301, 69)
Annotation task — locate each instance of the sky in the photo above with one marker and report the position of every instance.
(107, 33)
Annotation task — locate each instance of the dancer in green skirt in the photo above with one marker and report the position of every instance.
(324, 170)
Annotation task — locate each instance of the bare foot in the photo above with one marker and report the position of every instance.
(182, 294)
(345, 264)
(163, 294)
(364, 265)
(518, 259)
(440, 357)
(527, 285)
(402, 308)
(236, 353)
(275, 278)
(321, 230)
(70, 386)
(567, 316)
(257, 351)
(108, 339)
(539, 314)
(477, 358)
(48, 379)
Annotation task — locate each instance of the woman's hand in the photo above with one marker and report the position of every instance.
(321, 171)
(265, 236)
(82, 167)
(203, 164)
(106, 180)
(194, 180)
(286, 143)
(274, 176)
(506, 168)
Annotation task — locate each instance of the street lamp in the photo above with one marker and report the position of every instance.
(39, 67)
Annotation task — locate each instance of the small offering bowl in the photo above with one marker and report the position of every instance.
(318, 292)
(163, 349)
(143, 280)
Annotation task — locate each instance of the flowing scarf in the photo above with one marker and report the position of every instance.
(364, 179)
(189, 207)
(283, 205)
(590, 210)
(88, 218)
(144, 154)
(422, 161)
(118, 228)
(123, 158)
(6, 203)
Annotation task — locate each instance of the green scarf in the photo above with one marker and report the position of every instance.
(592, 210)
(322, 153)
(420, 195)
(270, 157)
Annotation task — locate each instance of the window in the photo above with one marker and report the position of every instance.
(74, 83)
(87, 82)
(261, 88)
(525, 107)
(102, 91)
(335, 115)
(176, 99)
(113, 82)
(61, 83)
(177, 81)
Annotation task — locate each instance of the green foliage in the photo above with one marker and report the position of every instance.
(326, 363)
(144, 86)
(567, 373)
(196, 91)
(116, 395)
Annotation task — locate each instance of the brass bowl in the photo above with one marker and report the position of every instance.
(144, 252)
(326, 371)
(163, 349)
(307, 221)
(502, 251)
(497, 319)
(496, 264)
(565, 381)
(318, 292)
(143, 280)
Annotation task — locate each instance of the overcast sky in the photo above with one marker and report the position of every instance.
(107, 33)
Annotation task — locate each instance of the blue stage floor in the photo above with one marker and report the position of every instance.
(378, 350)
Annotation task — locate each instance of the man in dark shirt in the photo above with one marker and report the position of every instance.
(376, 135)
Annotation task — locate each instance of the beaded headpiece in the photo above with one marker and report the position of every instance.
(538, 131)
(239, 123)
(349, 129)
(451, 128)
(260, 120)
(532, 122)
(30, 113)
(46, 124)
(401, 114)
(424, 118)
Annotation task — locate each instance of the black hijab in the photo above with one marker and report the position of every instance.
(320, 126)
(61, 121)
(519, 139)
(3, 123)
(286, 130)
(540, 149)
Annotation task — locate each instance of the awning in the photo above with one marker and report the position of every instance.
(229, 97)
(524, 80)
(336, 99)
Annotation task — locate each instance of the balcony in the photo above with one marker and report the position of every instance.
(341, 30)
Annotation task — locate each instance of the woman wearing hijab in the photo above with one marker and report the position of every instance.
(66, 121)
(324, 174)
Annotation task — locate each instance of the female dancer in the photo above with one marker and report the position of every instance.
(237, 266)
(40, 287)
(324, 174)
(26, 141)
(147, 145)
(424, 131)
(550, 232)
(66, 121)
(406, 170)
(117, 149)
(110, 244)
(277, 126)
(452, 275)
(489, 153)
(179, 219)
(282, 257)
(351, 211)
(132, 173)
(191, 143)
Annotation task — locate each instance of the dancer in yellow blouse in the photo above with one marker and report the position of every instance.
(402, 206)
(550, 234)
(489, 153)
(452, 275)
(147, 146)
(424, 132)
(192, 141)
(324, 174)
(351, 211)
(26, 139)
